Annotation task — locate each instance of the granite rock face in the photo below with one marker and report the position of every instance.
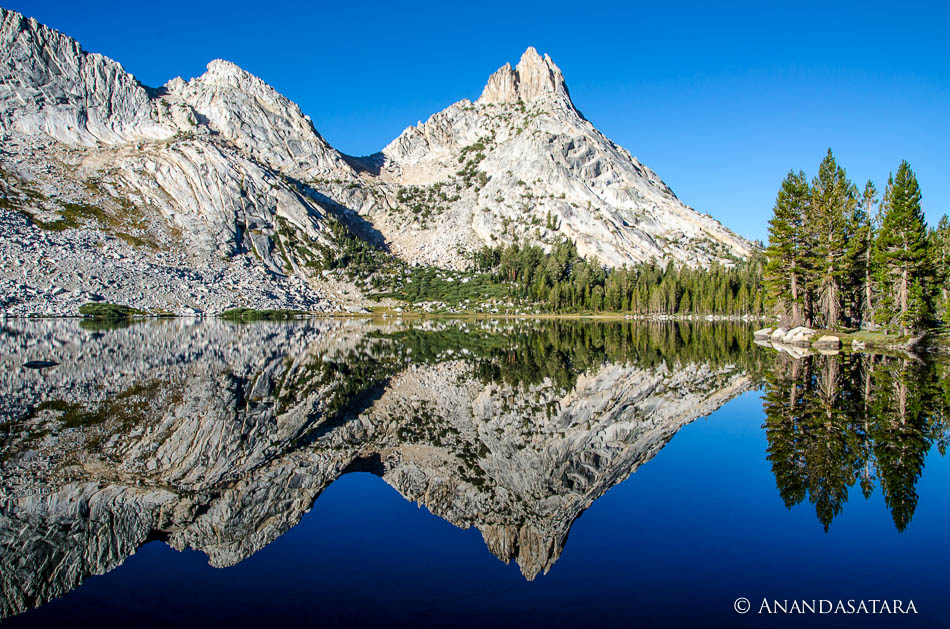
(49, 85)
(254, 117)
(522, 163)
(219, 438)
(536, 79)
(203, 172)
(223, 168)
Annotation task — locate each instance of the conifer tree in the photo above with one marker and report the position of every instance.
(787, 254)
(940, 252)
(901, 255)
(830, 219)
(860, 254)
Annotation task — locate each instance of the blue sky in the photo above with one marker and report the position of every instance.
(721, 101)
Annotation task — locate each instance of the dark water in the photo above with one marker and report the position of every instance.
(348, 473)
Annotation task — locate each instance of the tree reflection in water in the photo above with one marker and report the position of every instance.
(836, 421)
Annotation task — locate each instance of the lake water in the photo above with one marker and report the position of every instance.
(469, 473)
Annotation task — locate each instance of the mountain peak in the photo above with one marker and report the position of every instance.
(535, 78)
(223, 67)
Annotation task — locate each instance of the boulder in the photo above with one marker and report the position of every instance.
(827, 342)
(799, 335)
(778, 333)
(763, 333)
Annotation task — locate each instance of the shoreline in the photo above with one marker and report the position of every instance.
(805, 341)
(610, 316)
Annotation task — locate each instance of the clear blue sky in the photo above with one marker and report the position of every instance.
(720, 102)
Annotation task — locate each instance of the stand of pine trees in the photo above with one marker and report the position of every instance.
(837, 259)
(562, 281)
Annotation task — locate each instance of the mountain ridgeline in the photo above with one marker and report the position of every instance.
(221, 176)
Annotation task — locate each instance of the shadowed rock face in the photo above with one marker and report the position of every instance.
(219, 437)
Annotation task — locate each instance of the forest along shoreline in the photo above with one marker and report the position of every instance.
(840, 269)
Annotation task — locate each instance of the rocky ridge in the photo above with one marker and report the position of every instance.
(200, 171)
(223, 172)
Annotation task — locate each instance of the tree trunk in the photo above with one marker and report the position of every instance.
(796, 308)
(828, 302)
(902, 394)
(903, 300)
(833, 304)
(793, 390)
(868, 305)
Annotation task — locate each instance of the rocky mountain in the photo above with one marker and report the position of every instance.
(522, 162)
(221, 176)
(220, 437)
(186, 183)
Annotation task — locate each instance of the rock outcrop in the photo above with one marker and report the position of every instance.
(49, 85)
(257, 119)
(535, 80)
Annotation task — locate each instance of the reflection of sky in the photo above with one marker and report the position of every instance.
(696, 527)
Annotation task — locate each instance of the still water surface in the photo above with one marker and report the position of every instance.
(500, 473)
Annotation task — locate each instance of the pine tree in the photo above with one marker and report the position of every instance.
(787, 253)
(901, 255)
(830, 219)
(858, 261)
(940, 252)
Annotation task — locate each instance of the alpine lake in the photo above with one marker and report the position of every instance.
(465, 473)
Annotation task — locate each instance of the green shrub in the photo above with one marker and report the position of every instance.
(104, 310)
(250, 314)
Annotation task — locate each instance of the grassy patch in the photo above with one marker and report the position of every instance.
(107, 324)
(72, 216)
(107, 311)
(871, 338)
(249, 314)
(878, 341)
(75, 215)
(72, 415)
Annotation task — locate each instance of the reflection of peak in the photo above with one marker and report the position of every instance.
(550, 452)
(221, 437)
(533, 550)
(535, 78)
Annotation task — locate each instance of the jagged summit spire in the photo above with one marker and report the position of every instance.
(535, 78)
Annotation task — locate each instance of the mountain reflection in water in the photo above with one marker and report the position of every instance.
(219, 437)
